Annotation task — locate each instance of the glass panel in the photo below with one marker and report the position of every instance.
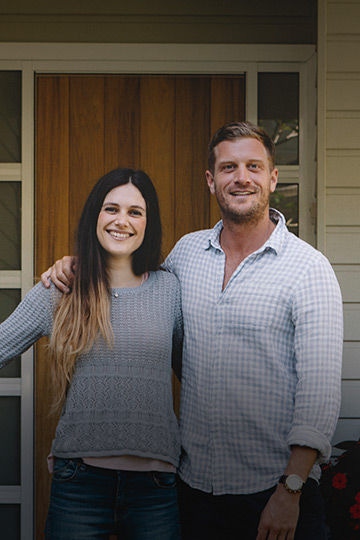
(10, 225)
(286, 199)
(278, 113)
(9, 299)
(10, 521)
(10, 452)
(10, 116)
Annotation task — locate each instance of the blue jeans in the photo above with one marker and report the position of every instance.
(92, 503)
(205, 516)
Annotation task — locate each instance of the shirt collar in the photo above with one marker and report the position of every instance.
(274, 242)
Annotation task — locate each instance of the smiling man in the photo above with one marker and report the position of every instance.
(262, 358)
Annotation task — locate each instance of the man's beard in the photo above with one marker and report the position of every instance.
(251, 216)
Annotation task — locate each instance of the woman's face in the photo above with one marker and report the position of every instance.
(122, 221)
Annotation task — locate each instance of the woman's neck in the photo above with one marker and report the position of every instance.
(121, 274)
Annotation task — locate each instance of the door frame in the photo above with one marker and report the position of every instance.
(32, 58)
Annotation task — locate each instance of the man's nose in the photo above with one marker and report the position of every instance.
(242, 174)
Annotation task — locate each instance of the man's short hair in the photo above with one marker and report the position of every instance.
(238, 130)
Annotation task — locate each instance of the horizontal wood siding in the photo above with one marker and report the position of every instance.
(341, 41)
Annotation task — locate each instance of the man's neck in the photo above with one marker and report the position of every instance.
(238, 240)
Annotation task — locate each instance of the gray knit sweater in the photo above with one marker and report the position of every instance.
(120, 398)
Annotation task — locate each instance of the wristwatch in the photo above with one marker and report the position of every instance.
(292, 483)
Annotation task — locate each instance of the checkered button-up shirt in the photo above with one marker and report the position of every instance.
(261, 359)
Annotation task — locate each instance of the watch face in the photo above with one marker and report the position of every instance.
(294, 482)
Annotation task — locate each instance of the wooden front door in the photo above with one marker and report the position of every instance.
(87, 125)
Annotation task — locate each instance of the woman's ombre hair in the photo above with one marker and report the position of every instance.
(83, 315)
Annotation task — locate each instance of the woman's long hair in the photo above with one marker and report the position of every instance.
(84, 314)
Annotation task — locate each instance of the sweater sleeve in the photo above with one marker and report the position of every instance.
(31, 320)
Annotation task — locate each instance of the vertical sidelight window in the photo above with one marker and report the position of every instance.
(278, 114)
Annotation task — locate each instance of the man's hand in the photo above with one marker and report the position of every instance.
(280, 516)
(61, 274)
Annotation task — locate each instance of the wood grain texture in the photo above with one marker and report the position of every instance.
(192, 122)
(157, 145)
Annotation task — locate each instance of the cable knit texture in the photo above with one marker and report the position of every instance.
(120, 400)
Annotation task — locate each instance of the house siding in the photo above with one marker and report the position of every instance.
(339, 182)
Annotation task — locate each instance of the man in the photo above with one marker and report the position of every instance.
(262, 358)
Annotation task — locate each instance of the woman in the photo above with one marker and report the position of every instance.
(116, 446)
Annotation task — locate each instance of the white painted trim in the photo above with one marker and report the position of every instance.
(10, 495)
(158, 54)
(27, 258)
(10, 279)
(10, 387)
(251, 98)
(23, 387)
(306, 171)
(10, 171)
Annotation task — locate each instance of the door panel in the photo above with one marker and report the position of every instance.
(157, 145)
(191, 135)
(87, 125)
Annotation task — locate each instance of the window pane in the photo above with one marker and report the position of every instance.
(278, 113)
(10, 116)
(10, 452)
(9, 299)
(286, 199)
(10, 521)
(10, 225)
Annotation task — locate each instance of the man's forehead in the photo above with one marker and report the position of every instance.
(245, 147)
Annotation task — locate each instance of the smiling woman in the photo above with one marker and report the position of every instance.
(121, 229)
(112, 343)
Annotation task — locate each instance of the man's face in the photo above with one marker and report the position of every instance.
(243, 180)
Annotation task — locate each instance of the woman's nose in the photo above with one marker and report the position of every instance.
(120, 218)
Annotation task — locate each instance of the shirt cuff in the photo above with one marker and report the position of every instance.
(312, 438)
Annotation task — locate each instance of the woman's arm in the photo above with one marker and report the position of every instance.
(31, 320)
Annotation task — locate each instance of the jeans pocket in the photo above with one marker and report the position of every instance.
(165, 480)
(65, 469)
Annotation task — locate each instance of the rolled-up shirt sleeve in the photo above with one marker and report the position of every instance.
(318, 343)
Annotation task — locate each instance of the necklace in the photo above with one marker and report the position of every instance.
(143, 279)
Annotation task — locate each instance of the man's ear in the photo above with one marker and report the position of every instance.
(210, 182)
(274, 179)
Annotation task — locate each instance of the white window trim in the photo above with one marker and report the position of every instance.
(32, 58)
